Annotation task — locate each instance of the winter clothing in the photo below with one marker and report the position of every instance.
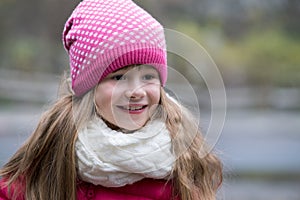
(146, 189)
(4, 192)
(102, 36)
(113, 159)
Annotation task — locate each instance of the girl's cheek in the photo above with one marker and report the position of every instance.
(155, 89)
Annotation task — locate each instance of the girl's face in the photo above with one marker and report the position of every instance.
(128, 97)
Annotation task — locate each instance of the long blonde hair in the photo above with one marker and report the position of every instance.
(197, 172)
(45, 166)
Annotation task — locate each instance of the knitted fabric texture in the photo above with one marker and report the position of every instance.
(113, 159)
(102, 36)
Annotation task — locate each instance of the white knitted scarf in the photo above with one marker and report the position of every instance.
(113, 159)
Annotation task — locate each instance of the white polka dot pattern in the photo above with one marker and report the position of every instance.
(102, 36)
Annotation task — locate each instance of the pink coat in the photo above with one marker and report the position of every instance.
(146, 189)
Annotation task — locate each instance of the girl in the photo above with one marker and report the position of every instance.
(114, 133)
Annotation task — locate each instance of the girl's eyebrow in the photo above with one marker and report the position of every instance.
(123, 69)
(118, 72)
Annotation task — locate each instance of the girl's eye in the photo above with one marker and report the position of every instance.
(148, 77)
(118, 77)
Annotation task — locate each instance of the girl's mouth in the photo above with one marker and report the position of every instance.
(133, 108)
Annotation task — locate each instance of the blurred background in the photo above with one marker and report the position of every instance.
(255, 44)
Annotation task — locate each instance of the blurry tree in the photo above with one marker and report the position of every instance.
(31, 34)
(291, 14)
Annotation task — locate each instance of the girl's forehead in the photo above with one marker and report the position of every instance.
(138, 67)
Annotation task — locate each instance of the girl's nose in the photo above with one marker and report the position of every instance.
(135, 93)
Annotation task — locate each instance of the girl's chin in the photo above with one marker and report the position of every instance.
(126, 126)
(131, 122)
(130, 128)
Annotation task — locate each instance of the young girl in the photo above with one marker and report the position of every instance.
(115, 133)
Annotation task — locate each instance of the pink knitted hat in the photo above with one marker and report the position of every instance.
(102, 36)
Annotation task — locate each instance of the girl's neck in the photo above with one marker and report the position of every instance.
(116, 128)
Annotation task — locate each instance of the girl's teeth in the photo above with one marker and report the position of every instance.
(133, 108)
